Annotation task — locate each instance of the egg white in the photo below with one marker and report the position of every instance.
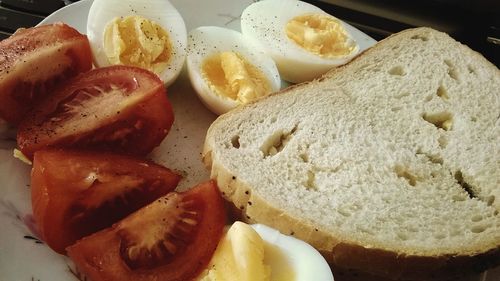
(206, 41)
(265, 21)
(306, 261)
(160, 11)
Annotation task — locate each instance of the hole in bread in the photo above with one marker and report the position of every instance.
(364, 66)
(369, 169)
(464, 185)
(304, 157)
(277, 142)
(471, 69)
(442, 93)
(397, 70)
(396, 108)
(402, 95)
(420, 37)
(490, 200)
(478, 228)
(436, 159)
(443, 141)
(476, 218)
(452, 71)
(433, 158)
(235, 141)
(310, 183)
(402, 172)
(442, 120)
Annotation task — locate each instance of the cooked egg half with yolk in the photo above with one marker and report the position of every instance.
(304, 41)
(227, 70)
(150, 34)
(260, 253)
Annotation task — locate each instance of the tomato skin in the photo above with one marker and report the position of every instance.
(99, 256)
(76, 193)
(118, 108)
(34, 61)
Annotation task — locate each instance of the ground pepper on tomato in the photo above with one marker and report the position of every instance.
(76, 193)
(119, 108)
(173, 238)
(34, 61)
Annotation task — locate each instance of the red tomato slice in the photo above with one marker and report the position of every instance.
(118, 108)
(75, 193)
(171, 239)
(33, 61)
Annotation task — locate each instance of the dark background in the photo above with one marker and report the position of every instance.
(474, 23)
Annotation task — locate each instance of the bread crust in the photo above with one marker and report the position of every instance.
(419, 30)
(339, 253)
(344, 254)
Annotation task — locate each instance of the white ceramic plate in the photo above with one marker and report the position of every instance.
(25, 258)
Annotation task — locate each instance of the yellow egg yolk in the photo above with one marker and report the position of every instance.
(136, 41)
(322, 35)
(229, 75)
(242, 255)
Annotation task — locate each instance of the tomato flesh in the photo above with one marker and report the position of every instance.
(76, 193)
(34, 61)
(119, 108)
(173, 238)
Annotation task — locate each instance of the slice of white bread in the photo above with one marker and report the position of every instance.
(389, 164)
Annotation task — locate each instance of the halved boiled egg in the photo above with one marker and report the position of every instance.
(227, 70)
(261, 253)
(303, 40)
(145, 33)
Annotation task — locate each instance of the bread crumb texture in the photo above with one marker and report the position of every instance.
(398, 150)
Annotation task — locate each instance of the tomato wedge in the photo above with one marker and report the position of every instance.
(119, 108)
(173, 238)
(77, 193)
(33, 61)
